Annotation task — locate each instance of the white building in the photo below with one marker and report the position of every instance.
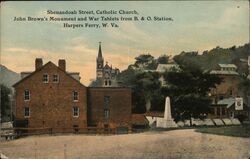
(161, 68)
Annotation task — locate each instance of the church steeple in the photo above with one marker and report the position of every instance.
(99, 57)
(99, 63)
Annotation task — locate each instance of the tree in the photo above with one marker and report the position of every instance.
(144, 58)
(144, 84)
(5, 99)
(163, 59)
(147, 84)
(146, 61)
(189, 91)
(244, 86)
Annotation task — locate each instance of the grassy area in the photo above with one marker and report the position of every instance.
(237, 131)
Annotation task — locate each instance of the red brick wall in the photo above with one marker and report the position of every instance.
(230, 82)
(51, 104)
(119, 106)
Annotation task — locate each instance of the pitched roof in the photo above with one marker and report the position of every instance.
(139, 119)
(166, 67)
(220, 72)
(227, 101)
(155, 114)
(107, 66)
(228, 65)
(37, 70)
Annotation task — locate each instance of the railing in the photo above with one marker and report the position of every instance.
(19, 132)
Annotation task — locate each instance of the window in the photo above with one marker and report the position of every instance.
(218, 111)
(106, 101)
(26, 112)
(26, 95)
(75, 112)
(56, 78)
(109, 82)
(45, 78)
(223, 111)
(231, 92)
(106, 83)
(75, 95)
(106, 113)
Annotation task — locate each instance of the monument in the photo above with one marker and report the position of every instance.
(167, 121)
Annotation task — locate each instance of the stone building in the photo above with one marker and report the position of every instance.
(106, 76)
(50, 97)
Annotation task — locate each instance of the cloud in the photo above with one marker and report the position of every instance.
(230, 19)
(128, 31)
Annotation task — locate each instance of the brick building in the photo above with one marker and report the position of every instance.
(229, 86)
(223, 96)
(106, 107)
(51, 97)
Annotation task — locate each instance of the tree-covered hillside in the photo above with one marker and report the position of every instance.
(141, 77)
(209, 59)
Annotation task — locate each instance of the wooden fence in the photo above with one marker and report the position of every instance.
(19, 132)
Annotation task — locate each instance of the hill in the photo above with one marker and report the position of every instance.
(209, 59)
(8, 77)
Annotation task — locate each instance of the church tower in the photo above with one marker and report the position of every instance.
(99, 63)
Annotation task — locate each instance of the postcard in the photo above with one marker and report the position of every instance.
(125, 79)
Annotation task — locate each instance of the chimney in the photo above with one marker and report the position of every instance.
(38, 63)
(62, 64)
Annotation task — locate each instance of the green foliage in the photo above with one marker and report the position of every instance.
(244, 86)
(147, 84)
(5, 100)
(188, 90)
(144, 58)
(163, 59)
(239, 130)
(145, 61)
(193, 81)
(209, 59)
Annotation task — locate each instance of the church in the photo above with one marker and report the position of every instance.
(106, 75)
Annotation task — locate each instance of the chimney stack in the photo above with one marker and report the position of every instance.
(62, 64)
(38, 63)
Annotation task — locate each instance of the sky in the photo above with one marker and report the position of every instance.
(196, 26)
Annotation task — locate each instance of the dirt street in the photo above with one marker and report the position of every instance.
(176, 144)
